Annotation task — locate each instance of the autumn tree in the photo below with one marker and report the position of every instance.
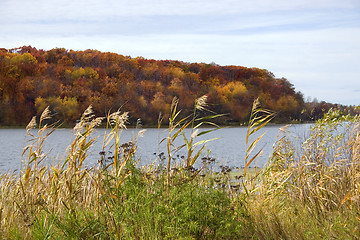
(69, 81)
(66, 109)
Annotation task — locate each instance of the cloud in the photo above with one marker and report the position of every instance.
(66, 17)
(23, 10)
(312, 43)
(244, 24)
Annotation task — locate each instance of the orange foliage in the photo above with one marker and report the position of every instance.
(70, 80)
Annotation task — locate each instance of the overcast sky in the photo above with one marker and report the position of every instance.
(315, 44)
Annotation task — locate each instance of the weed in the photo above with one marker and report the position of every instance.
(307, 192)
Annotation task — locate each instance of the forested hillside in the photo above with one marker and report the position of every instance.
(69, 81)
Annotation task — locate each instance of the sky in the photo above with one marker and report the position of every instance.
(315, 44)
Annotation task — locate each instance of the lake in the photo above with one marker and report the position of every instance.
(228, 150)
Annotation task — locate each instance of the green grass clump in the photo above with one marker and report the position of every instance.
(304, 192)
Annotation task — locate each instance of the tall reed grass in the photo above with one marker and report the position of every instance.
(304, 192)
(312, 192)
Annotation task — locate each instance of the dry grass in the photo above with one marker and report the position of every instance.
(314, 195)
(310, 192)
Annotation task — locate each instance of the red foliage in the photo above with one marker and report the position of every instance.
(75, 79)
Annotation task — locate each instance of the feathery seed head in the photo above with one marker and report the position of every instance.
(96, 122)
(78, 127)
(45, 114)
(88, 114)
(195, 133)
(200, 103)
(119, 119)
(31, 125)
(141, 133)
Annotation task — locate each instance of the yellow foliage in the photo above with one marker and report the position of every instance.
(174, 72)
(85, 72)
(91, 73)
(78, 73)
(286, 103)
(231, 91)
(177, 72)
(149, 69)
(67, 107)
(23, 58)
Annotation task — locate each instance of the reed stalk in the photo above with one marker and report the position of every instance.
(303, 192)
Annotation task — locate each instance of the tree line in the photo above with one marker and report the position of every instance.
(69, 81)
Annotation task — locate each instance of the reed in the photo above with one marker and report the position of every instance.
(304, 192)
(311, 192)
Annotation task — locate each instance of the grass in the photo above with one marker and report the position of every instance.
(307, 192)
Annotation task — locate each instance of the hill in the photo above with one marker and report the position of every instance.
(69, 81)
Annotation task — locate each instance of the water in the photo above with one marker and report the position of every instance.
(228, 150)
